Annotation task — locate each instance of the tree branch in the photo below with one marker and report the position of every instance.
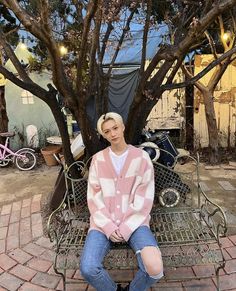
(91, 9)
(31, 86)
(125, 29)
(110, 27)
(145, 36)
(211, 42)
(201, 74)
(11, 55)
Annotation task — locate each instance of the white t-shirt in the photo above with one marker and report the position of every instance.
(118, 160)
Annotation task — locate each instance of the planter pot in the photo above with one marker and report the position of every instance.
(48, 154)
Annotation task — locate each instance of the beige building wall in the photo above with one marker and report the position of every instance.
(169, 112)
(224, 104)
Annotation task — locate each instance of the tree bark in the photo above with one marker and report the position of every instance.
(211, 126)
(3, 114)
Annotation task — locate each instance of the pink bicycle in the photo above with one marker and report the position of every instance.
(24, 158)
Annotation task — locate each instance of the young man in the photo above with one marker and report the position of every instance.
(120, 197)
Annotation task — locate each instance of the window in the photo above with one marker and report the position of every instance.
(27, 97)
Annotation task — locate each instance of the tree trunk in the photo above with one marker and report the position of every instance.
(211, 126)
(3, 114)
(137, 119)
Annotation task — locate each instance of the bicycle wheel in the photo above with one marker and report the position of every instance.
(27, 161)
(4, 163)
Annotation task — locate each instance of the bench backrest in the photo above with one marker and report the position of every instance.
(173, 187)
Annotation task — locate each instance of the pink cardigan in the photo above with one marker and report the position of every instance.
(120, 201)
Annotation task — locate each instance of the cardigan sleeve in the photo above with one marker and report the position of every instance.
(98, 211)
(139, 210)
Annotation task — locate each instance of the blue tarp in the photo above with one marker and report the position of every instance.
(131, 49)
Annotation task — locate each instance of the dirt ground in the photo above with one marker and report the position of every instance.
(16, 184)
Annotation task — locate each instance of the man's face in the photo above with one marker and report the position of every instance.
(113, 132)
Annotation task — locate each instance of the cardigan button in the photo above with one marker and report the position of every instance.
(118, 192)
(118, 221)
(118, 206)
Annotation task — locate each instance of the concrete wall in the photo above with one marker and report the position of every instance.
(21, 115)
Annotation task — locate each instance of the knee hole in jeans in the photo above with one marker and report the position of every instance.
(152, 263)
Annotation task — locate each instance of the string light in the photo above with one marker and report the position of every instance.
(226, 36)
(63, 50)
(22, 46)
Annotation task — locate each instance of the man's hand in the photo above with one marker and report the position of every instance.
(116, 236)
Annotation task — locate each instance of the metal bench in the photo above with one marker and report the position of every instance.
(185, 222)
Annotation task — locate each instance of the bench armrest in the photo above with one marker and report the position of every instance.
(213, 215)
(56, 220)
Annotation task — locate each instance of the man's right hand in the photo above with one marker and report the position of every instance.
(116, 236)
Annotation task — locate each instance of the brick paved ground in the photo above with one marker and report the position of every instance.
(26, 257)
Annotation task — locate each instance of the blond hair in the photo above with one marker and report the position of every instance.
(107, 116)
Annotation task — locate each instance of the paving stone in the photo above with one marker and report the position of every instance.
(226, 242)
(48, 255)
(1, 271)
(37, 230)
(10, 282)
(231, 251)
(227, 282)
(37, 197)
(233, 164)
(52, 272)
(39, 265)
(4, 220)
(212, 167)
(31, 287)
(36, 218)
(179, 273)
(33, 249)
(13, 228)
(226, 185)
(226, 255)
(20, 256)
(167, 286)
(44, 242)
(15, 216)
(25, 237)
(230, 266)
(233, 239)
(77, 275)
(75, 286)
(45, 280)
(23, 272)
(16, 206)
(25, 212)
(12, 242)
(199, 285)
(204, 270)
(35, 206)
(121, 275)
(3, 232)
(25, 224)
(6, 209)
(6, 262)
(26, 202)
(203, 186)
(2, 246)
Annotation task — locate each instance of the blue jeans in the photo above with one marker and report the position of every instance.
(97, 246)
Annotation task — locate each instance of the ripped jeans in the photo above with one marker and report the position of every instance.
(97, 246)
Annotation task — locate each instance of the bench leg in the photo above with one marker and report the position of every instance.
(218, 277)
(60, 273)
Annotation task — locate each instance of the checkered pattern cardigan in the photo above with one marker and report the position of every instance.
(121, 201)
